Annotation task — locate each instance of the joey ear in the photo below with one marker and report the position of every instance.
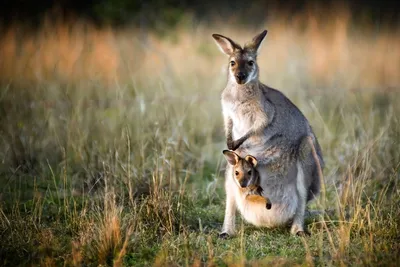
(252, 160)
(256, 42)
(231, 157)
(225, 44)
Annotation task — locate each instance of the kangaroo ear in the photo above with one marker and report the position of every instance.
(231, 157)
(252, 160)
(225, 44)
(256, 42)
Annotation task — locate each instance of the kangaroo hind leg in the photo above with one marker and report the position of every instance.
(298, 220)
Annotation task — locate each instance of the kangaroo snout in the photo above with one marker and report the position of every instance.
(241, 77)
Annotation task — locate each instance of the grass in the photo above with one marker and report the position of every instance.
(111, 145)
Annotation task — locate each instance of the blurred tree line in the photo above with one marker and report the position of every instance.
(159, 14)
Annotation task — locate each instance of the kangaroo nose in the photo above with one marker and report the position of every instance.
(241, 76)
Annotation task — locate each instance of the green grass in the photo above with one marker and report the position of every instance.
(150, 190)
(130, 172)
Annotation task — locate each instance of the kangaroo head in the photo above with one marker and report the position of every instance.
(244, 168)
(243, 66)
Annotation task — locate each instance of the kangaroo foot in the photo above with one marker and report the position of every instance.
(223, 235)
(303, 233)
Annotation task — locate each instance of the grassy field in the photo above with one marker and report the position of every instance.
(111, 144)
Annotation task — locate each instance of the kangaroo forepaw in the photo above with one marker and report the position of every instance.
(230, 145)
(237, 144)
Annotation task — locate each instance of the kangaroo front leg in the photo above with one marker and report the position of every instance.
(298, 220)
(228, 132)
(259, 124)
(236, 144)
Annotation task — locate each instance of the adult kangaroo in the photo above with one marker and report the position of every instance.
(262, 122)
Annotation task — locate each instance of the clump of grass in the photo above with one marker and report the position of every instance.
(107, 240)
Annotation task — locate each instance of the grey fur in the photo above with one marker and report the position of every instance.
(262, 122)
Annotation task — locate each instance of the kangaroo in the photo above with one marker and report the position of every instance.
(262, 122)
(247, 177)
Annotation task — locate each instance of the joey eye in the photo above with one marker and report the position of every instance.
(232, 63)
(249, 172)
(236, 173)
(251, 63)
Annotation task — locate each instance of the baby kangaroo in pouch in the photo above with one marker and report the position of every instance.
(262, 122)
(247, 177)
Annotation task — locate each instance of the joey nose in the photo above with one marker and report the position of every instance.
(240, 76)
(243, 183)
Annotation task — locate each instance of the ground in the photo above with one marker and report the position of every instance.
(113, 155)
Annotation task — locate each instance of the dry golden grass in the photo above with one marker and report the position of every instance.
(324, 50)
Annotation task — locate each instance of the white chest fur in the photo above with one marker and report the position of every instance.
(245, 116)
(283, 198)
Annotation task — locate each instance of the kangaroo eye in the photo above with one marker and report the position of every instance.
(249, 172)
(232, 63)
(236, 173)
(251, 63)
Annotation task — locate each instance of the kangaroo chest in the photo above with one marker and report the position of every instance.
(245, 115)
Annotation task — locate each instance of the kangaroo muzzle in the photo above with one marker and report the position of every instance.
(241, 78)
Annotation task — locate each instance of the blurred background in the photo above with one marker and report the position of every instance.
(75, 75)
(109, 40)
(111, 129)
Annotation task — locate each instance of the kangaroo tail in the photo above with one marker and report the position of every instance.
(319, 169)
